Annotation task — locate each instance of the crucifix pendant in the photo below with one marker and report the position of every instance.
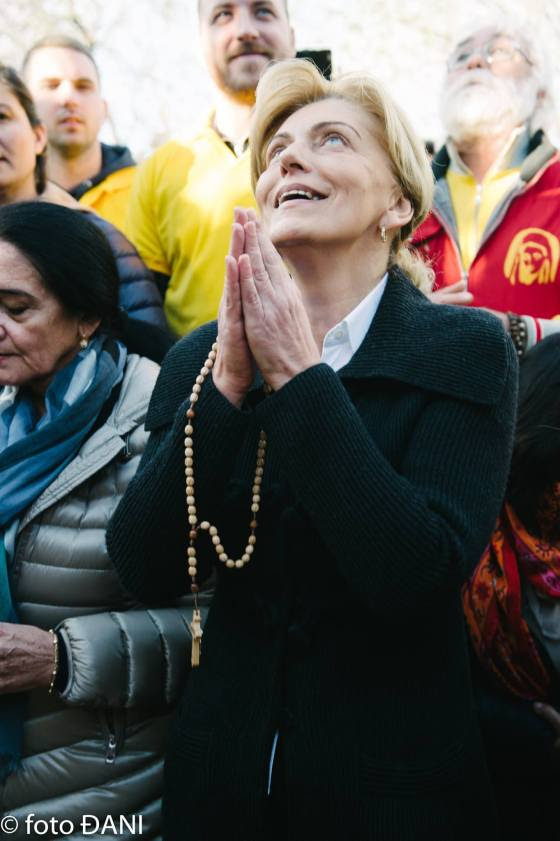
(196, 633)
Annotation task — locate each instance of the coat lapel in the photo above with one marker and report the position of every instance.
(448, 350)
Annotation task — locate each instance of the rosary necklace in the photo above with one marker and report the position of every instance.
(195, 527)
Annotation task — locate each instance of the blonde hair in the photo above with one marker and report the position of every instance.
(289, 85)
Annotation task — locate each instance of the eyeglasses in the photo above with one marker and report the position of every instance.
(493, 52)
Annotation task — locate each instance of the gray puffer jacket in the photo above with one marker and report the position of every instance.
(96, 748)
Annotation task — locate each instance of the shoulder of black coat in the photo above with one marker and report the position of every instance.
(459, 351)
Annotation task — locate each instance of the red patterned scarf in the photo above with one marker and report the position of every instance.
(492, 603)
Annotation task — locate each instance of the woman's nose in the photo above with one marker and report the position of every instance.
(293, 157)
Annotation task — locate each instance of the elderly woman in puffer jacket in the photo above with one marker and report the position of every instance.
(86, 682)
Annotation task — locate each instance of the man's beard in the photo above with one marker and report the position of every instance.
(479, 104)
(242, 76)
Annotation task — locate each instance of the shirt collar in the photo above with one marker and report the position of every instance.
(351, 330)
(238, 148)
(511, 157)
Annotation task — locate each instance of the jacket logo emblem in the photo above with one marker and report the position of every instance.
(533, 255)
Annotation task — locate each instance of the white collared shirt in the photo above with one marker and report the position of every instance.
(343, 340)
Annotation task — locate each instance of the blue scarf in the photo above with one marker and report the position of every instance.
(32, 454)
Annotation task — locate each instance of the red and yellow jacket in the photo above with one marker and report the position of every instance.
(517, 266)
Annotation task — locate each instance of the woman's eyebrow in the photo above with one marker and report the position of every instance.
(20, 293)
(327, 123)
(318, 127)
(284, 134)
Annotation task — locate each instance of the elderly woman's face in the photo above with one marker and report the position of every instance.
(327, 179)
(20, 144)
(37, 336)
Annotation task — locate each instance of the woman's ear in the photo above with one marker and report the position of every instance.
(398, 214)
(87, 327)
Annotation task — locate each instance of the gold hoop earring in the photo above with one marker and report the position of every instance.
(383, 233)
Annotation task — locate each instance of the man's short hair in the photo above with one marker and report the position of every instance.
(284, 1)
(66, 42)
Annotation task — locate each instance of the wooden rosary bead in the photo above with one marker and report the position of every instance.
(196, 627)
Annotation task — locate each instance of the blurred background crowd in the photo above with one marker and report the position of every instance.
(156, 42)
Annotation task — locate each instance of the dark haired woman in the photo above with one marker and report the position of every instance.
(512, 606)
(84, 686)
(23, 142)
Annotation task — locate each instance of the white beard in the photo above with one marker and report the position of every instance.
(479, 104)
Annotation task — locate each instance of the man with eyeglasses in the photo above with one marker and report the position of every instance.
(493, 237)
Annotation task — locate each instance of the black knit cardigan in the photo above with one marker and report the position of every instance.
(344, 632)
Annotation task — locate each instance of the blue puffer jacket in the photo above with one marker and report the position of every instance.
(138, 294)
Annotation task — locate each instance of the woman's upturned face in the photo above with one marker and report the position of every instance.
(20, 144)
(327, 179)
(37, 336)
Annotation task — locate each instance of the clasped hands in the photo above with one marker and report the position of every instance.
(262, 320)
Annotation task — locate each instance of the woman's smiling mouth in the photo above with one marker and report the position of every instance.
(297, 193)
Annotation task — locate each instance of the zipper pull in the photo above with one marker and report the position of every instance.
(111, 753)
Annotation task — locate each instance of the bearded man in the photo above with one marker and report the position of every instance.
(493, 235)
(182, 200)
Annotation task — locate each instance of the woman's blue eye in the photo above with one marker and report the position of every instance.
(336, 138)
